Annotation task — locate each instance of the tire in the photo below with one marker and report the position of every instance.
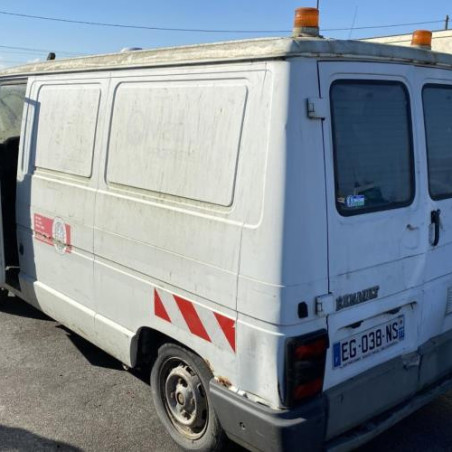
(179, 384)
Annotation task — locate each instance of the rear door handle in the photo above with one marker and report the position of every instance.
(435, 221)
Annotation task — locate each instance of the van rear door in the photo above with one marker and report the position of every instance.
(377, 221)
(434, 88)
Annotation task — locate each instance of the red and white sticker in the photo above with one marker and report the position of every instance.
(53, 231)
(197, 320)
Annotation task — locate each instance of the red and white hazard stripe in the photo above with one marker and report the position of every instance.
(197, 320)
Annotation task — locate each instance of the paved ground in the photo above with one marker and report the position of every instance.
(58, 392)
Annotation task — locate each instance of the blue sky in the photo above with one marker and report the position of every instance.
(66, 39)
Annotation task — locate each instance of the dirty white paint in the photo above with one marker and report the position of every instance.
(234, 51)
(65, 123)
(211, 183)
(178, 138)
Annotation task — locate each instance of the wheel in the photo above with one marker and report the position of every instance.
(179, 382)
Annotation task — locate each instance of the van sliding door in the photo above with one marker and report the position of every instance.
(56, 195)
(11, 108)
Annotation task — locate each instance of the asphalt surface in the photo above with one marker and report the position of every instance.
(59, 392)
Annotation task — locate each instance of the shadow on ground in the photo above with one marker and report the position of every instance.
(428, 429)
(21, 440)
(94, 355)
(12, 305)
(9, 304)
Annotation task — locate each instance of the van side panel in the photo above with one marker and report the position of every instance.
(284, 257)
(180, 177)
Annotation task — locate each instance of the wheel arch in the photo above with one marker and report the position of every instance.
(147, 341)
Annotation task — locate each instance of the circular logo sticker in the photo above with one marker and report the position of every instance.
(59, 235)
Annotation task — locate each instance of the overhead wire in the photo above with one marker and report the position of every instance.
(23, 52)
(29, 49)
(385, 26)
(16, 62)
(198, 30)
(138, 27)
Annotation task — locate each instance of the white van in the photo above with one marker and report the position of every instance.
(266, 222)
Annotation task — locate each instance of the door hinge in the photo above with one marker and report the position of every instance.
(324, 305)
(317, 108)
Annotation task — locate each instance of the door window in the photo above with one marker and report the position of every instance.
(66, 127)
(372, 143)
(11, 107)
(438, 130)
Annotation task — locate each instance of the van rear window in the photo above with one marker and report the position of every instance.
(438, 129)
(372, 142)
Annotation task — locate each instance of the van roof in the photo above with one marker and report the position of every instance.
(244, 50)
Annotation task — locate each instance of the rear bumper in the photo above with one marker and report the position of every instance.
(373, 427)
(346, 415)
(395, 388)
(257, 427)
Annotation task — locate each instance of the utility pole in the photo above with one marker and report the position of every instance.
(318, 3)
(446, 25)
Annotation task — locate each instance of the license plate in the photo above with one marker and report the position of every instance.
(368, 342)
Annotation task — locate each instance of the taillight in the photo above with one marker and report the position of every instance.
(305, 366)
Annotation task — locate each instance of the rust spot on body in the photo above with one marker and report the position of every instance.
(224, 381)
(209, 365)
